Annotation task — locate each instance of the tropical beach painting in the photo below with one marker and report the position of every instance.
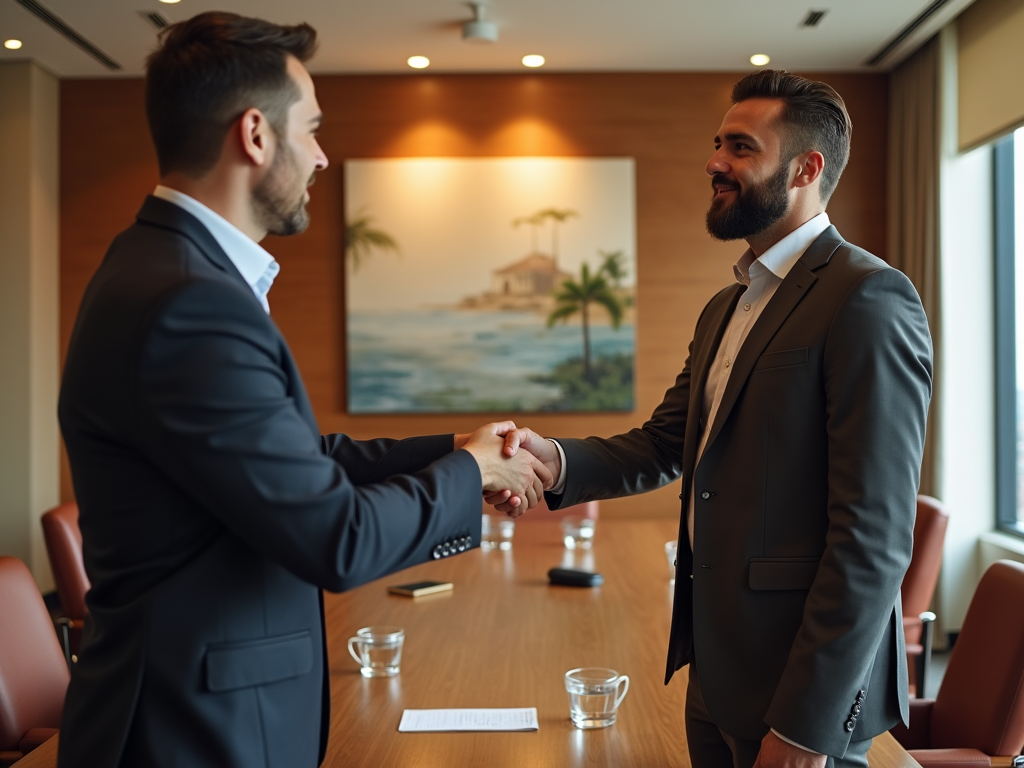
(490, 285)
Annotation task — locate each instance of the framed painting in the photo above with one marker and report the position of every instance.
(498, 284)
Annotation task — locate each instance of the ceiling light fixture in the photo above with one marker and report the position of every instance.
(12, 45)
(170, 2)
(479, 30)
(760, 59)
(418, 62)
(533, 60)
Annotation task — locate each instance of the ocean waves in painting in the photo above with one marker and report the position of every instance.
(451, 361)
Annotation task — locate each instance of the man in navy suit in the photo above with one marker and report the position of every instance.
(212, 510)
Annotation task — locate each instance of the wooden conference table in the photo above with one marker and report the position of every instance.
(505, 638)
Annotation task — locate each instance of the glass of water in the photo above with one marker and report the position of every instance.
(594, 696)
(577, 532)
(497, 532)
(377, 650)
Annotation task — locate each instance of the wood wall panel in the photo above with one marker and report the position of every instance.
(666, 121)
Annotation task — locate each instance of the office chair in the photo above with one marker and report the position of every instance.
(919, 587)
(64, 546)
(977, 718)
(33, 676)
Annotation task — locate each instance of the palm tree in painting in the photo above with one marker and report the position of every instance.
(576, 297)
(535, 221)
(612, 266)
(361, 239)
(558, 216)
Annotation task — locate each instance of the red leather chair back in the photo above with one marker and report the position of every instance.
(980, 704)
(923, 574)
(33, 674)
(64, 545)
(543, 512)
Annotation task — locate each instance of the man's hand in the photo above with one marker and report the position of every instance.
(544, 450)
(519, 478)
(776, 753)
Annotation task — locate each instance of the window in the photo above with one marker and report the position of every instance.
(1008, 157)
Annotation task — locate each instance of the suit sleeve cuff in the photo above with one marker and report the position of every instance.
(790, 741)
(559, 487)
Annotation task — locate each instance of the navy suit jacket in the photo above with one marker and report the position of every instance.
(213, 513)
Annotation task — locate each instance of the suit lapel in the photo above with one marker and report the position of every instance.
(705, 347)
(790, 293)
(161, 213)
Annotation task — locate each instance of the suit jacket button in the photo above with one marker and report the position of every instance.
(856, 709)
(469, 542)
(461, 544)
(446, 549)
(860, 696)
(437, 552)
(705, 495)
(850, 725)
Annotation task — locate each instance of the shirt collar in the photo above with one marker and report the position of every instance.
(781, 257)
(254, 264)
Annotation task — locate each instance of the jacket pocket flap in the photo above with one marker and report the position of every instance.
(779, 359)
(230, 666)
(767, 573)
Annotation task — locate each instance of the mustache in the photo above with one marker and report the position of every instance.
(721, 178)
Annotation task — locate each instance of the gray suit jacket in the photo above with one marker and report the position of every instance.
(213, 512)
(805, 499)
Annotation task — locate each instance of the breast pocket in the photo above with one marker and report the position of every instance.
(230, 666)
(781, 359)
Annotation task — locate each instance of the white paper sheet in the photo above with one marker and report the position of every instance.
(421, 720)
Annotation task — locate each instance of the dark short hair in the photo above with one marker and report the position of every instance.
(207, 72)
(814, 113)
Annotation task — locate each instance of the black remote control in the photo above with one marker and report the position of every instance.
(570, 577)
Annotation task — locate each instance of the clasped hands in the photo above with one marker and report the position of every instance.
(514, 480)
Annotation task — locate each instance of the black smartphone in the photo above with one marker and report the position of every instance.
(420, 588)
(570, 577)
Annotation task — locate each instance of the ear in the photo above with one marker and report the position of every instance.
(256, 137)
(808, 168)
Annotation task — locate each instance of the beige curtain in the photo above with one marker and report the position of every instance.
(913, 203)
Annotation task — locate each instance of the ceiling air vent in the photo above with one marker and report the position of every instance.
(48, 18)
(154, 19)
(813, 18)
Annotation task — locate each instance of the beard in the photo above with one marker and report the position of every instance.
(278, 209)
(753, 210)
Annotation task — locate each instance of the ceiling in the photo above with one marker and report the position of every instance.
(377, 36)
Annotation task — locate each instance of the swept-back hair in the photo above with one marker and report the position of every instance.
(207, 72)
(814, 115)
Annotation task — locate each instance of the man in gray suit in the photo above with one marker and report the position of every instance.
(797, 426)
(212, 510)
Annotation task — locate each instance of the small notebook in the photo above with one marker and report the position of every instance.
(425, 720)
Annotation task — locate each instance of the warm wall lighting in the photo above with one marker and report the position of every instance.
(170, 2)
(760, 59)
(418, 62)
(12, 45)
(533, 60)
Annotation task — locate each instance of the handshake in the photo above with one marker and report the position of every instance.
(514, 480)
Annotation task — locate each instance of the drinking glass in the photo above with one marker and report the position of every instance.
(377, 650)
(577, 532)
(671, 549)
(496, 532)
(594, 696)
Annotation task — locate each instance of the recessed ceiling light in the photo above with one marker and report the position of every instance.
(12, 45)
(170, 2)
(760, 59)
(418, 62)
(533, 60)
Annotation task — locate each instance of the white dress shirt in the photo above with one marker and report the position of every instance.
(256, 266)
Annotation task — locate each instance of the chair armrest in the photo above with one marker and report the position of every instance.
(918, 734)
